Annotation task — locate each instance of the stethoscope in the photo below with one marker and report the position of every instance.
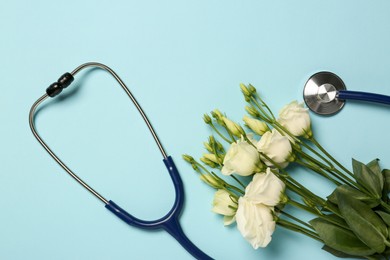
(325, 94)
(169, 222)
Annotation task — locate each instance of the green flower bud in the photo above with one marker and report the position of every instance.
(245, 90)
(207, 119)
(252, 89)
(257, 126)
(195, 167)
(220, 147)
(252, 111)
(211, 140)
(211, 157)
(233, 127)
(209, 162)
(283, 199)
(208, 147)
(218, 116)
(211, 180)
(188, 158)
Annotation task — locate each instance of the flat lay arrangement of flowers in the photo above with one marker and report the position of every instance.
(248, 166)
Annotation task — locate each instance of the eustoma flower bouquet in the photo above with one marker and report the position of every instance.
(254, 189)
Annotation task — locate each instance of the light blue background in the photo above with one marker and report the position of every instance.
(180, 59)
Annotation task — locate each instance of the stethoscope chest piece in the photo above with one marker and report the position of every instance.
(321, 91)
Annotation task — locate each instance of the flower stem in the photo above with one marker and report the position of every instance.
(219, 133)
(283, 131)
(297, 219)
(237, 180)
(316, 143)
(224, 183)
(263, 113)
(303, 207)
(318, 170)
(356, 185)
(294, 227)
(299, 189)
(334, 172)
(265, 105)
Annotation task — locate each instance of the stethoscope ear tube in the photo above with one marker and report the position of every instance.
(169, 222)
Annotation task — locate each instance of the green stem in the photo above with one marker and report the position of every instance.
(295, 185)
(227, 185)
(316, 143)
(318, 170)
(303, 207)
(299, 229)
(238, 181)
(355, 184)
(335, 172)
(224, 183)
(231, 136)
(219, 133)
(284, 130)
(202, 167)
(231, 193)
(265, 105)
(265, 116)
(297, 219)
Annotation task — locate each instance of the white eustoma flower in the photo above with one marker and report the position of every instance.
(265, 188)
(296, 119)
(277, 147)
(257, 126)
(255, 222)
(225, 205)
(242, 158)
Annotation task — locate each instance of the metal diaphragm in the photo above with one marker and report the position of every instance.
(320, 93)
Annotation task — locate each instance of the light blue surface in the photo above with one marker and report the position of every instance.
(180, 59)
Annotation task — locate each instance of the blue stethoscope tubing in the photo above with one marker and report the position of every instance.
(363, 96)
(169, 222)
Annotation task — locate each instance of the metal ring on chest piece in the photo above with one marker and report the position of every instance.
(320, 93)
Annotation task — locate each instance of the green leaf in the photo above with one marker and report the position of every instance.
(340, 239)
(374, 166)
(341, 254)
(376, 169)
(385, 217)
(386, 186)
(363, 221)
(372, 181)
(333, 218)
(354, 193)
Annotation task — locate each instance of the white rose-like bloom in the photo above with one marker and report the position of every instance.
(241, 158)
(277, 147)
(265, 188)
(255, 222)
(224, 205)
(296, 119)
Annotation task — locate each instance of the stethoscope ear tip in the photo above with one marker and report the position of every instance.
(321, 91)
